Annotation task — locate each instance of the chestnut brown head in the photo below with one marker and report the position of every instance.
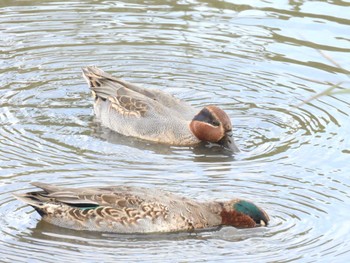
(243, 214)
(212, 124)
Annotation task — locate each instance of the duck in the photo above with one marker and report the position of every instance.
(154, 115)
(132, 209)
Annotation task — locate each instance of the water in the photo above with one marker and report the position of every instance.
(256, 60)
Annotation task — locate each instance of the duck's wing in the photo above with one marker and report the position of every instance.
(118, 196)
(128, 95)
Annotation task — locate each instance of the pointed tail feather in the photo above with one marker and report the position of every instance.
(102, 84)
(32, 201)
(28, 199)
(49, 188)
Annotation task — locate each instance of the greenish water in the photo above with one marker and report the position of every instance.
(256, 60)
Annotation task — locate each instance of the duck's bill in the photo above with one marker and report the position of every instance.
(262, 223)
(228, 143)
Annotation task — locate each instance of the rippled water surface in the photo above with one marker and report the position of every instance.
(257, 60)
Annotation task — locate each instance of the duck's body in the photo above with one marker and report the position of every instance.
(154, 115)
(123, 209)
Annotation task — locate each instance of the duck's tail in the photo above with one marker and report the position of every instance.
(33, 199)
(102, 84)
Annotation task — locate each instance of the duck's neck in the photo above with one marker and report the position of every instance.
(215, 207)
(183, 134)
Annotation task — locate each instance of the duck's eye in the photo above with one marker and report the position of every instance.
(215, 123)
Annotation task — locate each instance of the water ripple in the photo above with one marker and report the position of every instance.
(254, 60)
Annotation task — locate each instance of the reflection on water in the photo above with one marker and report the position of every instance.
(256, 60)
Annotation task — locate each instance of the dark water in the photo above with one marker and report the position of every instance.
(256, 60)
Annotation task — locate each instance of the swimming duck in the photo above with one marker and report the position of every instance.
(154, 115)
(126, 209)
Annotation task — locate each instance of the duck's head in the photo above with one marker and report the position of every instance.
(243, 214)
(212, 124)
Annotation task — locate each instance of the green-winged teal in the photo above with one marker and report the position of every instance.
(154, 115)
(126, 209)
